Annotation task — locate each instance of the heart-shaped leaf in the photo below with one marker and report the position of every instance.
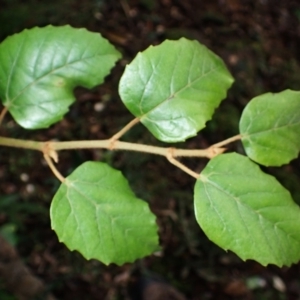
(270, 128)
(40, 68)
(174, 88)
(242, 209)
(96, 213)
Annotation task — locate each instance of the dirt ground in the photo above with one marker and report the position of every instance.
(260, 43)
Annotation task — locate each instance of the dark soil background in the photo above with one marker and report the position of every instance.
(260, 43)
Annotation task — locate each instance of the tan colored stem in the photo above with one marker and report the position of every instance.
(2, 115)
(175, 162)
(117, 136)
(50, 149)
(18, 143)
(53, 169)
(227, 141)
(106, 144)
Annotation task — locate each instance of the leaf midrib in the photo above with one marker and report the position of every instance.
(48, 74)
(251, 209)
(144, 116)
(247, 133)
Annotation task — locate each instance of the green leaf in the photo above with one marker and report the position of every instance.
(174, 88)
(242, 209)
(40, 67)
(270, 128)
(96, 213)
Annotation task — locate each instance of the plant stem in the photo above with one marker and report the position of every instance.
(53, 169)
(117, 136)
(2, 115)
(227, 141)
(104, 144)
(178, 164)
(118, 145)
(18, 143)
(50, 149)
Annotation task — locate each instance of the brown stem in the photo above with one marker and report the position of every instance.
(2, 114)
(172, 160)
(53, 169)
(227, 141)
(117, 136)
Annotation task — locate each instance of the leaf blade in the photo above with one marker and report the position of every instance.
(242, 209)
(270, 126)
(174, 88)
(96, 213)
(40, 68)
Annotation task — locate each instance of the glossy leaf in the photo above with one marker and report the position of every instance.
(174, 88)
(270, 128)
(96, 213)
(40, 68)
(244, 210)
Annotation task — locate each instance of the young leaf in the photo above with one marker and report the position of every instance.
(174, 88)
(96, 213)
(270, 128)
(40, 68)
(242, 209)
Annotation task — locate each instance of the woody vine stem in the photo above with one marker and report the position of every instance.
(50, 148)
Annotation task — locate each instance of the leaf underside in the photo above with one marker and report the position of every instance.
(244, 210)
(40, 68)
(270, 128)
(174, 88)
(96, 213)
